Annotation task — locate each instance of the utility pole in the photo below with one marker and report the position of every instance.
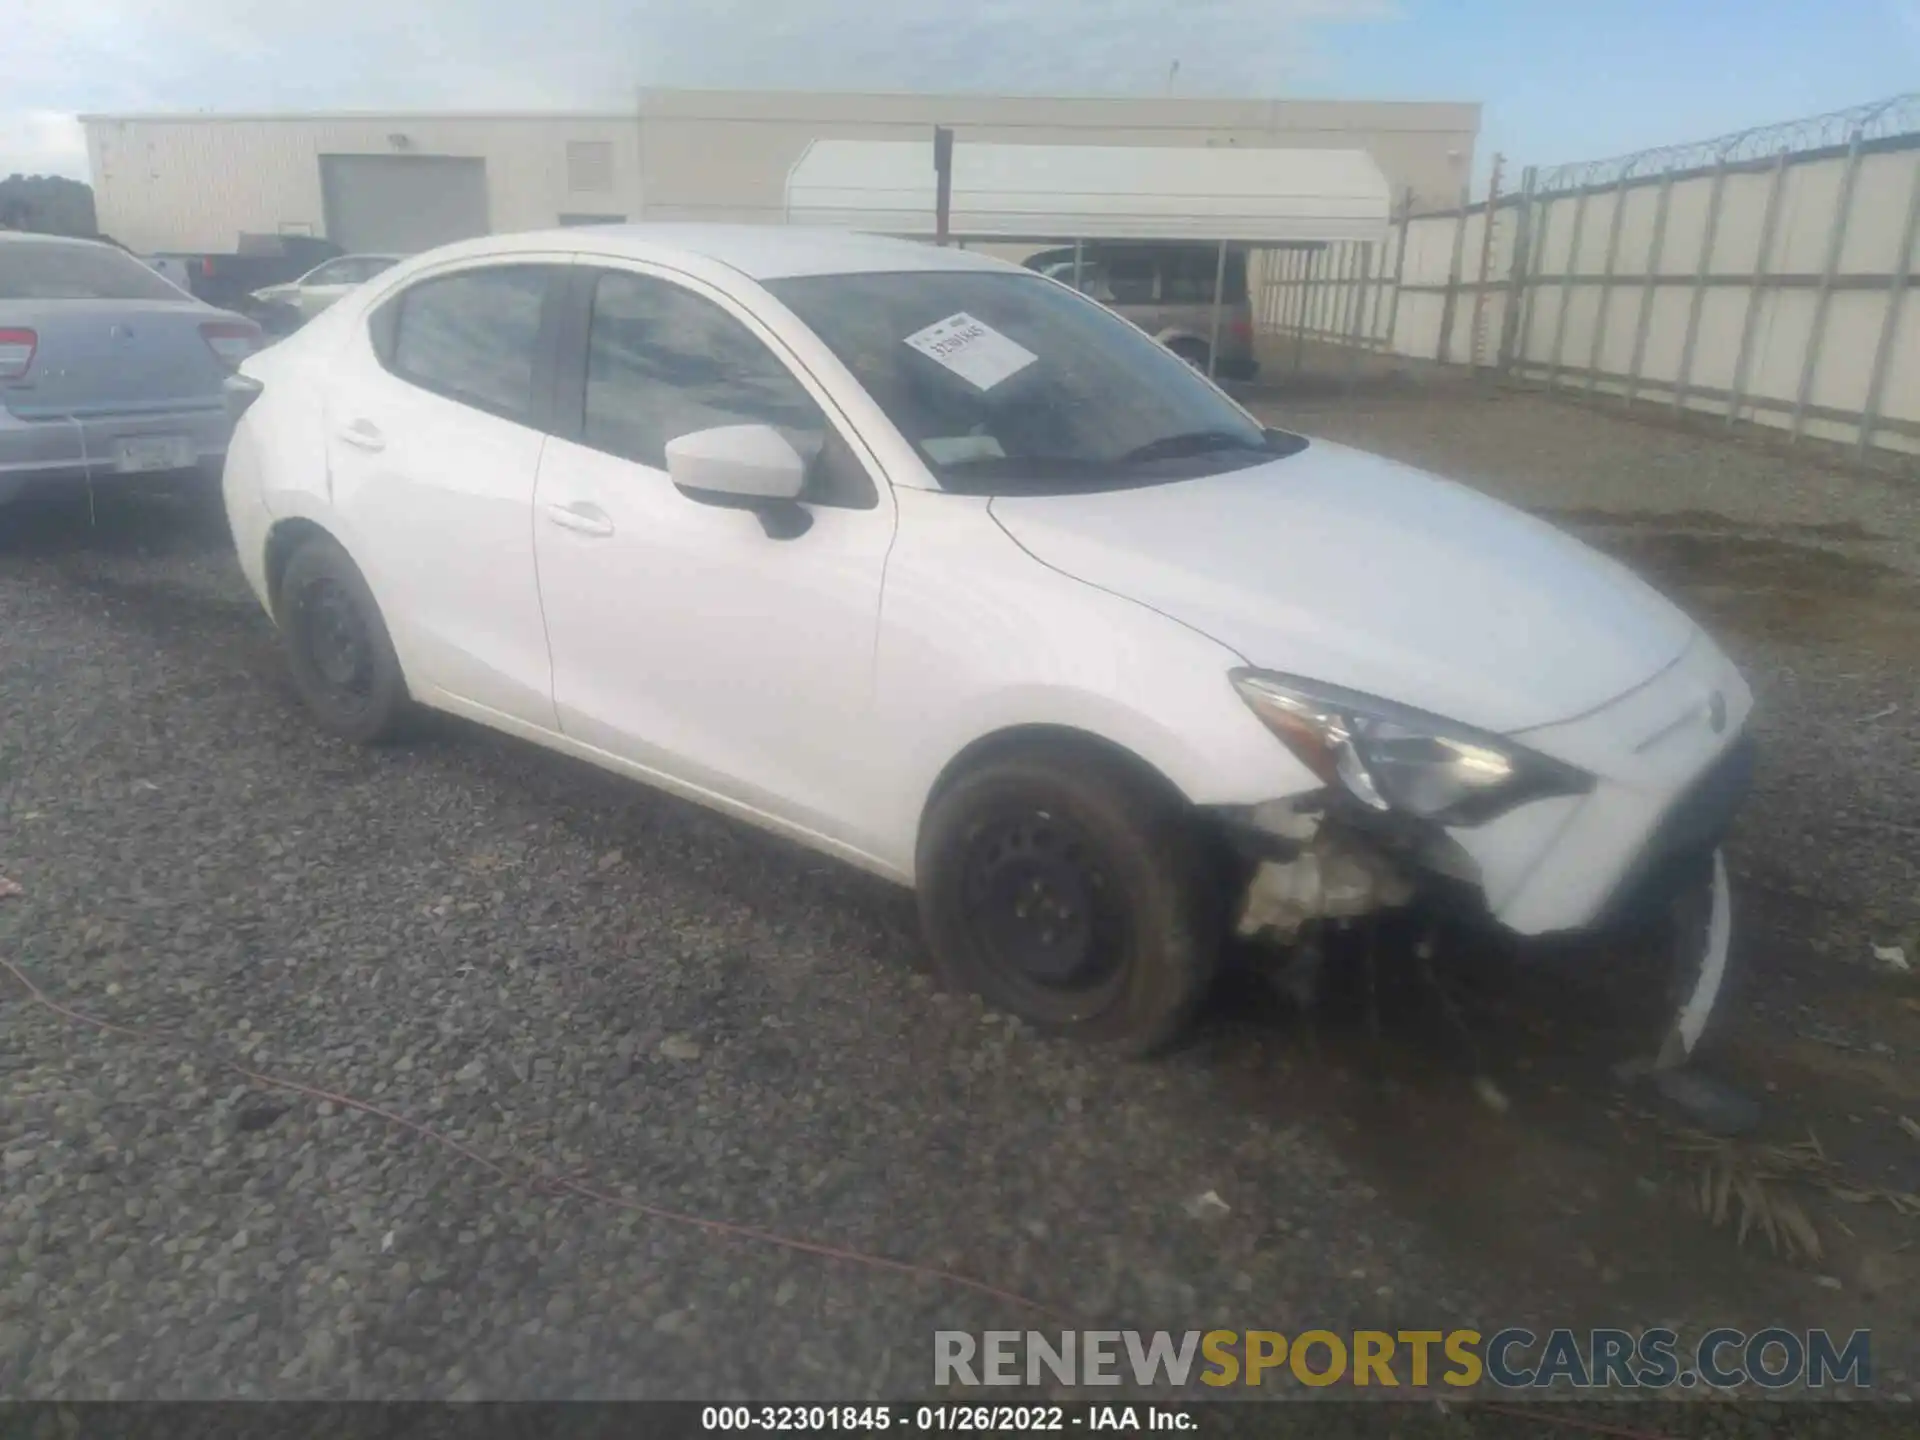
(943, 182)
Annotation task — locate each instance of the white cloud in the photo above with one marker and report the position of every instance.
(68, 56)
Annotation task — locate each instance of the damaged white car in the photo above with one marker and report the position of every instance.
(936, 566)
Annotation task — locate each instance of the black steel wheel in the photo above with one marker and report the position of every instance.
(1042, 912)
(338, 649)
(335, 639)
(1062, 886)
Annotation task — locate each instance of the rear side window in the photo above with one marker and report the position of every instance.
(59, 270)
(1130, 279)
(1187, 276)
(472, 337)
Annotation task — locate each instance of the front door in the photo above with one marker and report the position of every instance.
(685, 638)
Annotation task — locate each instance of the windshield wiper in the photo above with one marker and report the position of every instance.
(1190, 442)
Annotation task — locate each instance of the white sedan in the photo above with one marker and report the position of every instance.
(933, 565)
(324, 285)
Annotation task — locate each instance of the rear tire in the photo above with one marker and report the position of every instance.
(1058, 886)
(338, 649)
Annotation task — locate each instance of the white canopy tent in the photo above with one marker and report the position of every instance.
(1226, 196)
(1093, 192)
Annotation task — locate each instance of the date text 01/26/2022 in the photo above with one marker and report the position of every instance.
(974, 1419)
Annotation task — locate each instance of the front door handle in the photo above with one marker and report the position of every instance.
(582, 518)
(362, 435)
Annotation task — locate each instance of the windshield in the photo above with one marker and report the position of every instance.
(1007, 383)
(61, 270)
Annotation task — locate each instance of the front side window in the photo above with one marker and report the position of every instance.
(1007, 384)
(473, 337)
(663, 362)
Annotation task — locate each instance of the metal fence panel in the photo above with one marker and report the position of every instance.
(1766, 277)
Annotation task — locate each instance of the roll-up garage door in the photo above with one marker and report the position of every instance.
(399, 204)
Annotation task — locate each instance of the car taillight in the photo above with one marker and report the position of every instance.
(206, 266)
(1240, 327)
(16, 352)
(231, 340)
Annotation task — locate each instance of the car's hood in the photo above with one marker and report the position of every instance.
(1344, 567)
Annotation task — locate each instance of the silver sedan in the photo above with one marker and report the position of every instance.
(107, 367)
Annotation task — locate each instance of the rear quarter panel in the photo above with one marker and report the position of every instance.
(276, 466)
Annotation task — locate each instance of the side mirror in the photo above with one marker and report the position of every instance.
(737, 462)
(744, 467)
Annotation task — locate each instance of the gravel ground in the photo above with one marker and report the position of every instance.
(569, 977)
(1587, 459)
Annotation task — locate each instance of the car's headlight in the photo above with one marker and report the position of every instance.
(1390, 757)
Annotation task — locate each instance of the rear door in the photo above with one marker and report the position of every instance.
(435, 423)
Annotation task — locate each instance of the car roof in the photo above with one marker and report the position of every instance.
(762, 252)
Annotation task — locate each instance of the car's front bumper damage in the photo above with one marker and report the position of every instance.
(1672, 764)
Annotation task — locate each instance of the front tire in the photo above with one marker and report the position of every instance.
(1059, 886)
(338, 649)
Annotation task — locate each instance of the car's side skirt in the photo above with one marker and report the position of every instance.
(812, 839)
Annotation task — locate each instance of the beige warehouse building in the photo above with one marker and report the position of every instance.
(403, 182)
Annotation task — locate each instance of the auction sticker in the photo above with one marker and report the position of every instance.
(976, 352)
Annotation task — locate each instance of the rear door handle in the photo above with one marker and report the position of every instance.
(362, 435)
(583, 518)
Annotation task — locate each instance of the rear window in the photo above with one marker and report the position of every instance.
(52, 270)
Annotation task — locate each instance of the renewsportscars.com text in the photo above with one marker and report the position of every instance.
(1512, 1359)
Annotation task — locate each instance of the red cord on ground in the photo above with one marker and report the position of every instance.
(574, 1185)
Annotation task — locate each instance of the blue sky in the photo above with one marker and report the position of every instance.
(1560, 79)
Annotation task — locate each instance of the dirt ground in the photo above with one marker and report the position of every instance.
(1809, 574)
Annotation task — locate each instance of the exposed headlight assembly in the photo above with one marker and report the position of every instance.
(1392, 758)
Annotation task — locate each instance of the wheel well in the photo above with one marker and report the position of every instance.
(286, 537)
(1057, 738)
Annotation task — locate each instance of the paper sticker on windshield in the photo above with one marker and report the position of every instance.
(977, 353)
